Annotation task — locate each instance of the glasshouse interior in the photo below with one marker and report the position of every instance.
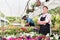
(19, 19)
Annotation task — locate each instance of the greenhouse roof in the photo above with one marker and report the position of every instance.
(16, 7)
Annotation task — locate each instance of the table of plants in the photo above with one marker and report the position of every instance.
(21, 33)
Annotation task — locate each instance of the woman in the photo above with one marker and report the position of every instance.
(29, 21)
(44, 21)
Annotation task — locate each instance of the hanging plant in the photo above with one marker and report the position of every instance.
(29, 10)
(38, 3)
(47, 0)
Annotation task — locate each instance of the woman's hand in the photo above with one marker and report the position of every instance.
(27, 24)
(41, 22)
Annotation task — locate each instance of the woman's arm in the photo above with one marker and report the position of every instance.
(42, 22)
(27, 24)
(47, 20)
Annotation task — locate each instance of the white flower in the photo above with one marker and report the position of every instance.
(8, 37)
(56, 36)
(47, 35)
(51, 38)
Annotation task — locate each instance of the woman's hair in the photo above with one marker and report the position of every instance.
(23, 17)
(45, 7)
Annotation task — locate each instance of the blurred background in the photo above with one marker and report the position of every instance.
(11, 12)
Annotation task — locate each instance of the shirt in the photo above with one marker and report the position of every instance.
(47, 19)
(29, 20)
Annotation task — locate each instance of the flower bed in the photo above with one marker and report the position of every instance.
(28, 38)
(19, 33)
(14, 30)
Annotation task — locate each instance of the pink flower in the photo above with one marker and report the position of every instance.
(18, 38)
(12, 39)
(32, 38)
(4, 39)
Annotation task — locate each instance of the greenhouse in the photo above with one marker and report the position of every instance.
(25, 20)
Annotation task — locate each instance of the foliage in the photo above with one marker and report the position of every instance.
(14, 30)
(1, 14)
(55, 15)
(35, 19)
(13, 19)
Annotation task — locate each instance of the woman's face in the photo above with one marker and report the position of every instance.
(45, 10)
(25, 18)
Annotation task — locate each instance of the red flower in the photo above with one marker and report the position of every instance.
(24, 29)
(42, 36)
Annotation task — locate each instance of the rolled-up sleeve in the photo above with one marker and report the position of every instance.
(48, 18)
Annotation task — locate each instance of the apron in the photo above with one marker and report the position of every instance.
(44, 29)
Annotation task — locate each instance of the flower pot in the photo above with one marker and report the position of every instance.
(38, 3)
